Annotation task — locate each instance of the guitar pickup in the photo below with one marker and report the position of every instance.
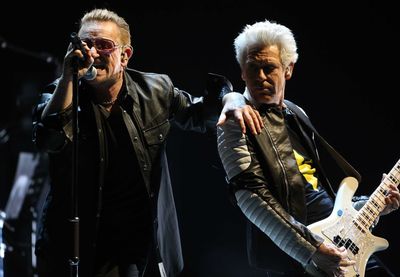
(347, 243)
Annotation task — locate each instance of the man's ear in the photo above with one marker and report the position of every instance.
(289, 71)
(126, 54)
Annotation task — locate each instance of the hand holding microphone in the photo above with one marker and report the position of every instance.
(91, 73)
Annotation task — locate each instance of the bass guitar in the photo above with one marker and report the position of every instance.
(351, 228)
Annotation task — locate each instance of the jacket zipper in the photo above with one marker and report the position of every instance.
(282, 168)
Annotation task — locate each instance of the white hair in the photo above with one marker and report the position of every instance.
(266, 33)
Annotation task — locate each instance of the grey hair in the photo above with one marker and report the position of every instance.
(266, 33)
(107, 15)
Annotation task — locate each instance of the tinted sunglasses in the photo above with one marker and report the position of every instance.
(102, 45)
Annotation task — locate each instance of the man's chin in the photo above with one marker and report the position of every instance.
(267, 99)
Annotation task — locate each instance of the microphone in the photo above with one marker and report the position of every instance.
(91, 73)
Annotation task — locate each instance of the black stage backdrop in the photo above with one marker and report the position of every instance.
(345, 78)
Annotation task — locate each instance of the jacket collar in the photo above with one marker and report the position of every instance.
(130, 88)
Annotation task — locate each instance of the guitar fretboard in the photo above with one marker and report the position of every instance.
(376, 202)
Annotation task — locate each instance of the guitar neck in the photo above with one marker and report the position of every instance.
(376, 202)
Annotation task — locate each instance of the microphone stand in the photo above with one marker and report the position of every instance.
(74, 218)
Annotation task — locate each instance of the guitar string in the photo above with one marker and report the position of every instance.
(354, 231)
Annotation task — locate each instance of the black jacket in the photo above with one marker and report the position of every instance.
(268, 186)
(154, 104)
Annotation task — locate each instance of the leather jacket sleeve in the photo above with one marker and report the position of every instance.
(255, 198)
(50, 134)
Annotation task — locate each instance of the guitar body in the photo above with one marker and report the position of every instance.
(342, 228)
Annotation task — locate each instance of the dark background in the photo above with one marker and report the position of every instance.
(345, 79)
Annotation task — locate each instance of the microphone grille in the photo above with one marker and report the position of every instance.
(90, 74)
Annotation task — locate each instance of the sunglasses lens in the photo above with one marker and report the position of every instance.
(104, 44)
(101, 44)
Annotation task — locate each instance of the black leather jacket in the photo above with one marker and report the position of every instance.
(152, 102)
(269, 188)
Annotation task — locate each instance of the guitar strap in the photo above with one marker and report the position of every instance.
(344, 165)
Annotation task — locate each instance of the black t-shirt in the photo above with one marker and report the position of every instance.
(125, 223)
